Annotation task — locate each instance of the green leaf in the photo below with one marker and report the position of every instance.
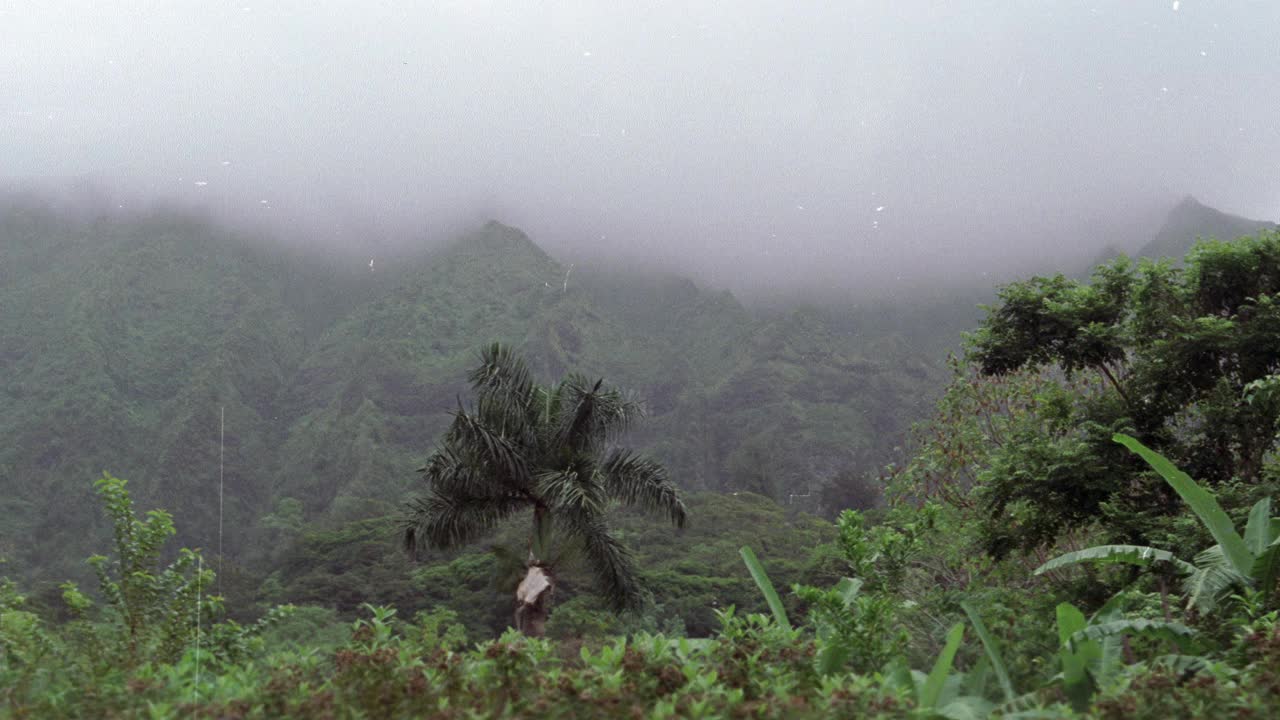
(1181, 664)
(1028, 705)
(1139, 555)
(1202, 502)
(974, 681)
(766, 586)
(1267, 567)
(1174, 632)
(609, 560)
(937, 679)
(968, 707)
(1257, 531)
(832, 656)
(1109, 661)
(898, 675)
(992, 650)
(848, 589)
(1076, 656)
(1213, 577)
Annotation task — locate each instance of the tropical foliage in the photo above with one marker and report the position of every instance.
(1177, 351)
(1035, 553)
(332, 377)
(1247, 562)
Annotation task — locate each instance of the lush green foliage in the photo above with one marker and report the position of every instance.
(1094, 657)
(1026, 564)
(1179, 349)
(686, 574)
(150, 612)
(105, 664)
(153, 619)
(334, 378)
(1247, 562)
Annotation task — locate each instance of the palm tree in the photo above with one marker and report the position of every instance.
(545, 449)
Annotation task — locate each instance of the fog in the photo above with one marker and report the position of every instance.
(756, 145)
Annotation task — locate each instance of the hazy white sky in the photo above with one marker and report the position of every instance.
(837, 143)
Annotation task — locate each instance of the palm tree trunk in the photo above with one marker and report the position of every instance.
(533, 600)
(533, 596)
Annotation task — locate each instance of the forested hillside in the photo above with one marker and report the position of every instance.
(1082, 525)
(719, 361)
(125, 340)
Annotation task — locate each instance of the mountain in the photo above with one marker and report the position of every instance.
(1190, 221)
(120, 341)
(375, 392)
(127, 340)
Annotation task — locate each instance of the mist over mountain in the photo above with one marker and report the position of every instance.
(336, 376)
(844, 148)
(1190, 221)
(1183, 225)
(676, 359)
(139, 344)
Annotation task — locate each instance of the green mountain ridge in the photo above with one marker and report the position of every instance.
(124, 341)
(1190, 221)
(1187, 222)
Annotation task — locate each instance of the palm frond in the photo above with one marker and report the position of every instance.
(448, 471)
(491, 453)
(502, 371)
(575, 427)
(636, 480)
(1139, 555)
(592, 414)
(508, 416)
(449, 519)
(509, 567)
(607, 558)
(569, 489)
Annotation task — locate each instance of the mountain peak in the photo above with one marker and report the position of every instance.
(1189, 205)
(1189, 221)
(495, 238)
(499, 230)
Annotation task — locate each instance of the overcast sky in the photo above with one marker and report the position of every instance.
(844, 144)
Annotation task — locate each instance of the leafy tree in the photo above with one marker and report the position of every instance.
(1184, 355)
(993, 454)
(546, 449)
(154, 610)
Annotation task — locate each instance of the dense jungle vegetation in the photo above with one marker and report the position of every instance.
(1071, 517)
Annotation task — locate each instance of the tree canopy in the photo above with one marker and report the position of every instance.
(1181, 349)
